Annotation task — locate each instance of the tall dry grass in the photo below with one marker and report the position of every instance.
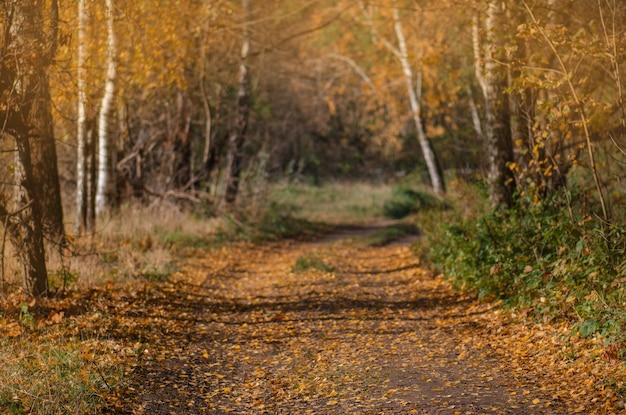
(133, 242)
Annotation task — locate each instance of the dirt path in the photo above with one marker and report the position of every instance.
(361, 331)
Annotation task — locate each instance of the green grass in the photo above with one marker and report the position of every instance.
(311, 261)
(53, 376)
(334, 202)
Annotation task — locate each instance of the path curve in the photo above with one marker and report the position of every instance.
(244, 329)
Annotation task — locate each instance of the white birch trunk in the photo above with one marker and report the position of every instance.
(478, 53)
(82, 118)
(105, 110)
(429, 155)
(475, 115)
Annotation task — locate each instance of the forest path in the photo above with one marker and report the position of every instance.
(328, 327)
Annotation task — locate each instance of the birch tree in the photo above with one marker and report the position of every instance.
(105, 110)
(413, 86)
(81, 134)
(492, 76)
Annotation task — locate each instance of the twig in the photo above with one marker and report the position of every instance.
(101, 375)
(567, 75)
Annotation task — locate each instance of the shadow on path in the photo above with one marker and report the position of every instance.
(377, 335)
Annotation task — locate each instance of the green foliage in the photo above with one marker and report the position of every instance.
(405, 201)
(536, 257)
(181, 239)
(311, 261)
(26, 317)
(63, 277)
(279, 222)
(389, 234)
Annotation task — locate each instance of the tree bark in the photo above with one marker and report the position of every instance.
(237, 136)
(416, 108)
(27, 233)
(26, 116)
(42, 145)
(493, 80)
(44, 160)
(81, 133)
(105, 111)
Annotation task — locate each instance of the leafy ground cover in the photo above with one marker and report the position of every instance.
(547, 258)
(237, 330)
(337, 324)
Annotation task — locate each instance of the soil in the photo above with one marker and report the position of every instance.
(241, 330)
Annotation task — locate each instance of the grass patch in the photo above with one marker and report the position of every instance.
(390, 234)
(311, 261)
(274, 222)
(334, 202)
(52, 376)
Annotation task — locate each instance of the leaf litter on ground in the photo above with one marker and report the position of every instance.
(236, 330)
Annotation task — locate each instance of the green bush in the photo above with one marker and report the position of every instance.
(536, 257)
(279, 222)
(405, 201)
(389, 234)
(274, 222)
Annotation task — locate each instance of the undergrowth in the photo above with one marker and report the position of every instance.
(405, 201)
(333, 202)
(390, 234)
(311, 261)
(274, 222)
(539, 259)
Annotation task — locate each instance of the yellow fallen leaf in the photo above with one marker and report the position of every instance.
(536, 401)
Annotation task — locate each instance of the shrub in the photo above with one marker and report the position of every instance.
(389, 234)
(536, 257)
(405, 201)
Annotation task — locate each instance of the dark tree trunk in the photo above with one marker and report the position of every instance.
(42, 143)
(44, 159)
(26, 114)
(181, 166)
(26, 232)
(236, 139)
(89, 192)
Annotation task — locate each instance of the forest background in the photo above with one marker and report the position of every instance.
(501, 124)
